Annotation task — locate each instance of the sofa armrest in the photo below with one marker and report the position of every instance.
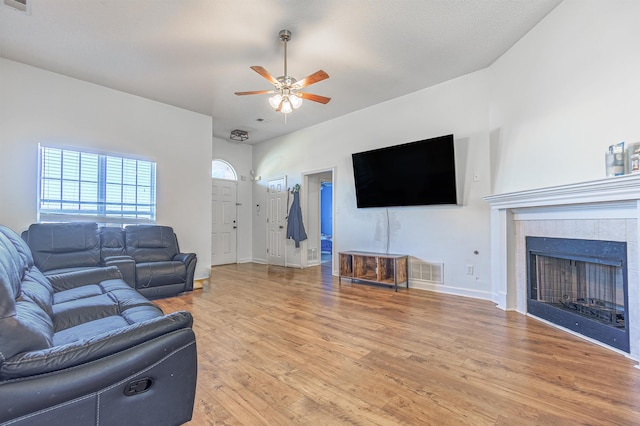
(189, 259)
(184, 257)
(97, 392)
(126, 265)
(69, 280)
(87, 350)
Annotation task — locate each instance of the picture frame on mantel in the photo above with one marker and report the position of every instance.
(614, 160)
(633, 155)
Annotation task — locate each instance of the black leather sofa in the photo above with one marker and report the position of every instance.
(82, 347)
(148, 256)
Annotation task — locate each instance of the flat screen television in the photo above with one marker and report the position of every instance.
(412, 174)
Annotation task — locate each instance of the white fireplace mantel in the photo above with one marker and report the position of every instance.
(615, 189)
(605, 202)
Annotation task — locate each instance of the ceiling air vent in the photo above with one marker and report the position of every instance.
(21, 5)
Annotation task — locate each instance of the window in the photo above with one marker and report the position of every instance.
(220, 169)
(77, 185)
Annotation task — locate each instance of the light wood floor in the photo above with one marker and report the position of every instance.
(282, 346)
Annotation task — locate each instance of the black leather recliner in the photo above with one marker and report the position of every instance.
(161, 270)
(148, 256)
(83, 347)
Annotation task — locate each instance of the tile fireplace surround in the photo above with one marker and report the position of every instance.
(606, 209)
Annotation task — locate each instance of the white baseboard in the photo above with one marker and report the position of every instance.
(456, 291)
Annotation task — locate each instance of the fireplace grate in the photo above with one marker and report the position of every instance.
(580, 285)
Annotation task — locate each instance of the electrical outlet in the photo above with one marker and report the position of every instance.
(469, 269)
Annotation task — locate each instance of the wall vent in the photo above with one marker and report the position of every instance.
(432, 272)
(21, 5)
(312, 254)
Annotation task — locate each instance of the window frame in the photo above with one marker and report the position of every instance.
(110, 208)
(228, 167)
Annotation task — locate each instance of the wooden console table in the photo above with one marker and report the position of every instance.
(379, 268)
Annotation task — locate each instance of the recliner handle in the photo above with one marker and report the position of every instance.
(138, 386)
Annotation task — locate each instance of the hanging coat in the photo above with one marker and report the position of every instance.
(295, 227)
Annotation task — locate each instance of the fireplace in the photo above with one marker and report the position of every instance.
(580, 285)
(605, 210)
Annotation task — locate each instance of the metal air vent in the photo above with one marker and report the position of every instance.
(21, 5)
(432, 272)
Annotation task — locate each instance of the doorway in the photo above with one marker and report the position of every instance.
(319, 207)
(276, 220)
(224, 221)
(224, 213)
(326, 221)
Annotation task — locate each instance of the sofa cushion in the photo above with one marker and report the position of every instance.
(82, 292)
(112, 242)
(58, 245)
(96, 301)
(10, 277)
(38, 289)
(70, 280)
(90, 290)
(140, 313)
(20, 245)
(25, 323)
(28, 329)
(74, 312)
(151, 243)
(89, 329)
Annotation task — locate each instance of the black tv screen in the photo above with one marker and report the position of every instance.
(411, 174)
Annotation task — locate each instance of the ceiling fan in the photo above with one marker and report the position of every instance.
(286, 94)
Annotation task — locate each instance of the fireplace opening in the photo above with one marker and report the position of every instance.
(580, 285)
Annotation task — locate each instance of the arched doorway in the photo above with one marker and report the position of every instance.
(224, 213)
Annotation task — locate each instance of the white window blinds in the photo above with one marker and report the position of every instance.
(80, 185)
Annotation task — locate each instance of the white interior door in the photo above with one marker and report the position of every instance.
(224, 222)
(276, 221)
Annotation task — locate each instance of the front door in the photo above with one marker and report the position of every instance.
(276, 221)
(224, 225)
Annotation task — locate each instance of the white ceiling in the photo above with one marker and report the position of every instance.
(195, 54)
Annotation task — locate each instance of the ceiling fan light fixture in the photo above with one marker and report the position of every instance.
(286, 97)
(239, 135)
(275, 100)
(295, 100)
(286, 106)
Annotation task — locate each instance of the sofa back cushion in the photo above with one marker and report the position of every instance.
(62, 245)
(25, 313)
(20, 245)
(151, 243)
(112, 241)
(10, 277)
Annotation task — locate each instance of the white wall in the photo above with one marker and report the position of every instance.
(449, 234)
(542, 115)
(240, 157)
(564, 93)
(38, 106)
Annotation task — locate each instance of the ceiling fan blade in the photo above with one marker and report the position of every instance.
(314, 98)
(256, 92)
(312, 79)
(264, 73)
